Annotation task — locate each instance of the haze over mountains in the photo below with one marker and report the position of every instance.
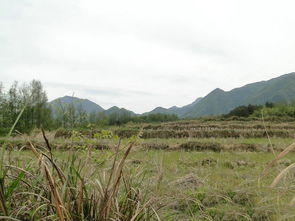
(280, 89)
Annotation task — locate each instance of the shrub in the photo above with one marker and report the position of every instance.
(198, 146)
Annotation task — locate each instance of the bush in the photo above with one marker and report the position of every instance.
(197, 146)
(244, 111)
(155, 146)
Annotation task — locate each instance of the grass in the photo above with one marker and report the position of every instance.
(147, 179)
(226, 144)
(158, 179)
(72, 188)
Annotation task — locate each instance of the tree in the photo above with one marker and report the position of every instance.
(38, 102)
(32, 98)
(244, 111)
(269, 104)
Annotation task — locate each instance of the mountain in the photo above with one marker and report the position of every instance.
(173, 110)
(158, 110)
(119, 111)
(85, 104)
(218, 101)
(280, 89)
(182, 110)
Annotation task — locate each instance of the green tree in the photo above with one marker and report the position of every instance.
(33, 98)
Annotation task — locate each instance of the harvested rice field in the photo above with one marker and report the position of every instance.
(187, 170)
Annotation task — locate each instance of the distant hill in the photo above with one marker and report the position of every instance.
(85, 104)
(118, 111)
(173, 110)
(218, 101)
(280, 89)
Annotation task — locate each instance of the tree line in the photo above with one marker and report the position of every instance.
(269, 109)
(31, 99)
(68, 115)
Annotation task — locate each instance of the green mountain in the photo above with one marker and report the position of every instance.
(280, 89)
(173, 110)
(87, 105)
(84, 104)
(118, 111)
(159, 110)
(218, 101)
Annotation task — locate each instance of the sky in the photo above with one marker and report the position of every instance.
(143, 54)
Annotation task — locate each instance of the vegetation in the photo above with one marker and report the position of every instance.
(272, 111)
(72, 188)
(277, 111)
(86, 175)
(32, 98)
(244, 111)
(69, 112)
(234, 167)
(196, 182)
(39, 114)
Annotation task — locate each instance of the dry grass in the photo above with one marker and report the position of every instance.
(72, 189)
(283, 172)
(215, 180)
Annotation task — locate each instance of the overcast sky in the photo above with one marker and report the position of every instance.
(143, 54)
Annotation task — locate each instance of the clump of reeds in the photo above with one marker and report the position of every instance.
(74, 189)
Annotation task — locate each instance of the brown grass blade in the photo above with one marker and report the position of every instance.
(114, 163)
(2, 202)
(155, 212)
(120, 168)
(139, 210)
(46, 140)
(275, 160)
(112, 188)
(34, 150)
(80, 199)
(282, 174)
(58, 170)
(292, 203)
(269, 140)
(57, 199)
(20, 169)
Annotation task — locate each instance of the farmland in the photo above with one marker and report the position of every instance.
(147, 110)
(184, 170)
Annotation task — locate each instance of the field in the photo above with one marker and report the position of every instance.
(185, 170)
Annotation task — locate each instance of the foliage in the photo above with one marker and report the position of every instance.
(276, 111)
(244, 111)
(39, 114)
(29, 98)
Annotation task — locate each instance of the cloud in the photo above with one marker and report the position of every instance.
(140, 55)
(112, 92)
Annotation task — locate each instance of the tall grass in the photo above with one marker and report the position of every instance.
(73, 189)
(6, 191)
(283, 172)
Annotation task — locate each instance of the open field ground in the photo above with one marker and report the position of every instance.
(189, 170)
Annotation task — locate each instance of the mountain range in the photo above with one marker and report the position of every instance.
(218, 101)
(86, 105)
